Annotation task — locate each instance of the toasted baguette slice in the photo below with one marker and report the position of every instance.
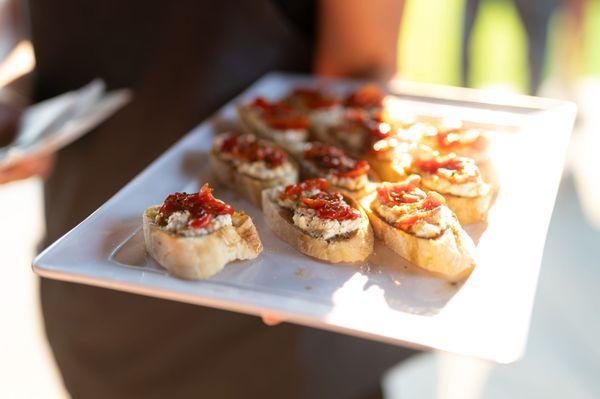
(354, 248)
(354, 194)
(310, 171)
(469, 209)
(467, 141)
(450, 255)
(253, 123)
(392, 169)
(387, 170)
(247, 186)
(196, 258)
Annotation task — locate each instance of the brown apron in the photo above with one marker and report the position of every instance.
(184, 59)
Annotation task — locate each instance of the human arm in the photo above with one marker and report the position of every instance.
(357, 38)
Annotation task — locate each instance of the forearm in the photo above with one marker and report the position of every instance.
(358, 38)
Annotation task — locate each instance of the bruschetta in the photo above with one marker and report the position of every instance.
(454, 138)
(275, 121)
(381, 106)
(248, 165)
(458, 179)
(368, 98)
(194, 236)
(344, 173)
(368, 138)
(418, 226)
(323, 224)
(323, 109)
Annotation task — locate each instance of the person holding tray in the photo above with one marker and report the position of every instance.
(184, 59)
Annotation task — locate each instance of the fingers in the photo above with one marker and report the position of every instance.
(38, 165)
(45, 165)
(271, 320)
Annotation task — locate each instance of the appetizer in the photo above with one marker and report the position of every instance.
(323, 110)
(275, 121)
(344, 173)
(458, 179)
(249, 165)
(320, 223)
(194, 236)
(385, 108)
(368, 98)
(368, 138)
(455, 138)
(418, 226)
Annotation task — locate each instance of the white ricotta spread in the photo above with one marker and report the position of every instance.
(353, 140)
(426, 229)
(326, 117)
(284, 136)
(307, 220)
(261, 170)
(466, 182)
(431, 226)
(463, 141)
(289, 203)
(177, 223)
(349, 183)
(470, 189)
(290, 135)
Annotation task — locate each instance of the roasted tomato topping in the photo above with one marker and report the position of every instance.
(428, 205)
(293, 191)
(433, 164)
(330, 206)
(279, 115)
(421, 204)
(312, 98)
(335, 161)
(360, 120)
(202, 206)
(356, 116)
(402, 192)
(378, 136)
(451, 138)
(355, 121)
(246, 148)
(312, 194)
(368, 96)
(381, 137)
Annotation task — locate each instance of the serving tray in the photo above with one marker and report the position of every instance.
(384, 298)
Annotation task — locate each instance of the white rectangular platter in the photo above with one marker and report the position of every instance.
(384, 298)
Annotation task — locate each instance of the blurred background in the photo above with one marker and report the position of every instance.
(548, 48)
